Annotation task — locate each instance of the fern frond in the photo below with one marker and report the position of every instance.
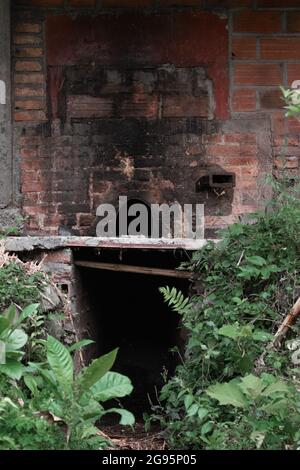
(176, 300)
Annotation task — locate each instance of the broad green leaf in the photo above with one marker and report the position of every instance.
(10, 314)
(277, 387)
(256, 260)
(12, 369)
(2, 352)
(80, 344)
(27, 312)
(96, 370)
(127, 418)
(279, 407)
(16, 340)
(251, 385)
(60, 362)
(111, 385)
(202, 412)
(4, 323)
(230, 331)
(31, 383)
(206, 428)
(193, 410)
(188, 400)
(227, 394)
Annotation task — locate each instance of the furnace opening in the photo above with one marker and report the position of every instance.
(126, 310)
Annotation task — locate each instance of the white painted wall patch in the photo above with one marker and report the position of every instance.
(2, 92)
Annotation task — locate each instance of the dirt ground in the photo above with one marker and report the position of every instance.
(136, 438)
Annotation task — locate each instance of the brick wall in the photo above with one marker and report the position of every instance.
(265, 54)
(76, 102)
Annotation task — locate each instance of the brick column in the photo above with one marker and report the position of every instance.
(5, 112)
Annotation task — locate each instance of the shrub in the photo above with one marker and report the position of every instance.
(246, 284)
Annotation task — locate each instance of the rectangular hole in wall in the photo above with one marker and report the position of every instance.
(126, 310)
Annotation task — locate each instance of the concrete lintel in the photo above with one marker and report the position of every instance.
(18, 244)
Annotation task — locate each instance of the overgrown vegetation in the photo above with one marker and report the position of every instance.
(44, 404)
(232, 390)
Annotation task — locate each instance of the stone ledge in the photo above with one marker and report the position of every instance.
(18, 244)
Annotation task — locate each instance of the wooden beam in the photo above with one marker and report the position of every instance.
(134, 269)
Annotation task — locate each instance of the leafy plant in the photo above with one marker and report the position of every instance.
(246, 284)
(76, 399)
(13, 339)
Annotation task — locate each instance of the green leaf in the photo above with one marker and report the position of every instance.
(2, 352)
(60, 362)
(230, 331)
(16, 340)
(277, 387)
(188, 400)
(80, 344)
(256, 260)
(26, 312)
(98, 368)
(12, 369)
(31, 383)
(193, 410)
(4, 324)
(111, 385)
(127, 418)
(251, 385)
(227, 394)
(10, 313)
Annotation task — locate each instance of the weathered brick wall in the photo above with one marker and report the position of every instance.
(93, 120)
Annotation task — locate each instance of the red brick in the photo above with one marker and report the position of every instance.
(196, 3)
(293, 126)
(185, 106)
(21, 39)
(40, 3)
(83, 106)
(30, 116)
(279, 123)
(290, 141)
(34, 78)
(293, 22)
(139, 105)
(244, 48)
(241, 161)
(32, 186)
(30, 104)
(240, 138)
(257, 74)
(228, 3)
(257, 22)
(28, 28)
(248, 150)
(244, 100)
(127, 3)
(27, 91)
(271, 99)
(28, 153)
(288, 162)
(223, 150)
(60, 256)
(82, 3)
(29, 52)
(293, 73)
(280, 48)
(28, 66)
(278, 3)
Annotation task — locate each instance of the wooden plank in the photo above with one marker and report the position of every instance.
(134, 269)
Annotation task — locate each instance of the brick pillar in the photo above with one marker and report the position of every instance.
(7, 213)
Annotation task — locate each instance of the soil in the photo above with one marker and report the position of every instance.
(136, 438)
